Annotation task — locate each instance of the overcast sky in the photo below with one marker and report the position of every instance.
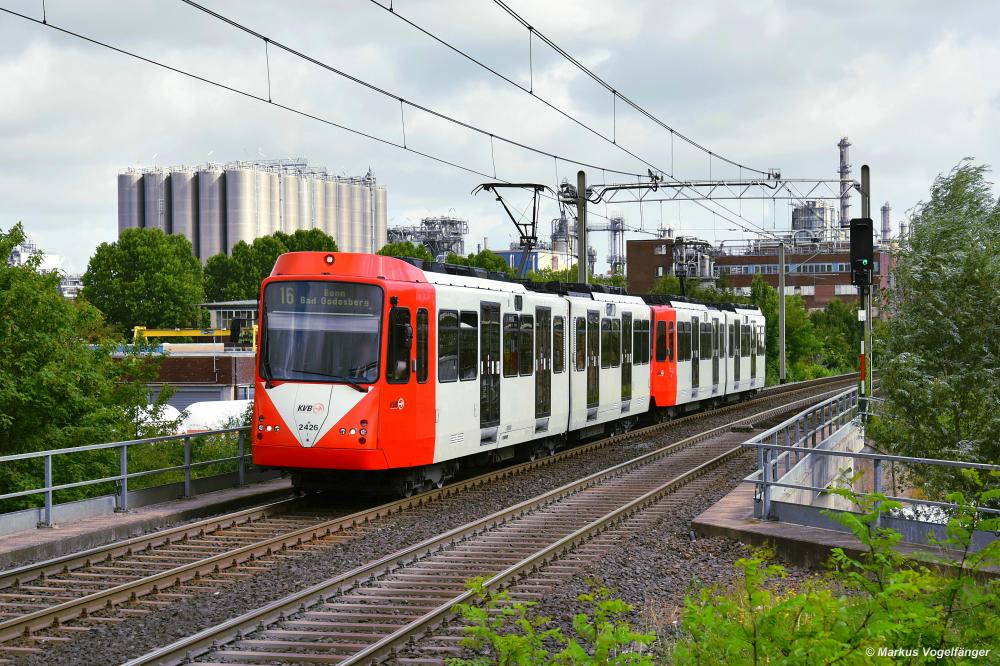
(769, 84)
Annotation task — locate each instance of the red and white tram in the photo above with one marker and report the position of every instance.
(371, 365)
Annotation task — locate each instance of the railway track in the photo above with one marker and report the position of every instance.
(370, 613)
(51, 601)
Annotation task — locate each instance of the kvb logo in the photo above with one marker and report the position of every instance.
(317, 408)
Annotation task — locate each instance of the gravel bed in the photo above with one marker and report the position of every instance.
(655, 569)
(136, 636)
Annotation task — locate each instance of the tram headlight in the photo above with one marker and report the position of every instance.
(363, 432)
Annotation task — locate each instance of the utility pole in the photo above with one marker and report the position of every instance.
(866, 193)
(781, 312)
(862, 255)
(581, 227)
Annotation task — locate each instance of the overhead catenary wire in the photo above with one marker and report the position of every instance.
(612, 140)
(249, 95)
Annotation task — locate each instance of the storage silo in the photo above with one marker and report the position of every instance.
(184, 205)
(305, 201)
(156, 193)
(330, 208)
(211, 212)
(381, 218)
(359, 194)
(317, 203)
(241, 207)
(274, 201)
(343, 223)
(130, 196)
(367, 217)
(290, 184)
(262, 201)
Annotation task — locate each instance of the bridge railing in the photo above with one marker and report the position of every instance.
(785, 445)
(50, 459)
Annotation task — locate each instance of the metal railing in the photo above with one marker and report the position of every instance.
(50, 457)
(786, 444)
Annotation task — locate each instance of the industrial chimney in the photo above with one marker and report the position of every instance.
(845, 185)
(886, 229)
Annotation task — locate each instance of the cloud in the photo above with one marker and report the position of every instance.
(774, 84)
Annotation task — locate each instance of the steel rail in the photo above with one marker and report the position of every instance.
(206, 640)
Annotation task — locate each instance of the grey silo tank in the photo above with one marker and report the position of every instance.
(130, 195)
(289, 202)
(305, 202)
(317, 203)
(367, 221)
(241, 207)
(211, 212)
(343, 224)
(184, 205)
(274, 202)
(330, 208)
(156, 187)
(359, 192)
(262, 196)
(381, 218)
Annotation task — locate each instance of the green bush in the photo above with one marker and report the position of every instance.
(878, 602)
(506, 633)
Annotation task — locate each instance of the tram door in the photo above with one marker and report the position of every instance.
(543, 362)
(593, 358)
(734, 350)
(489, 365)
(626, 356)
(695, 353)
(715, 354)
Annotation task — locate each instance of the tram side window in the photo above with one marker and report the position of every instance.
(510, 336)
(706, 340)
(683, 341)
(661, 341)
(580, 359)
(422, 327)
(670, 342)
(745, 341)
(400, 342)
(694, 333)
(605, 342)
(447, 346)
(558, 344)
(526, 345)
(616, 342)
(732, 340)
(640, 342)
(468, 346)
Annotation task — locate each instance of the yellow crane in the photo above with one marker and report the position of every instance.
(141, 332)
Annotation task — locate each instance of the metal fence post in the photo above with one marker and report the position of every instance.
(764, 472)
(187, 467)
(47, 521)
(123, 486)
(240, 446)
(877, 471)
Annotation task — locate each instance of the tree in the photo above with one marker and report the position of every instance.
(406, 249)
(486, 259)
(802, 348)
(238, 276)
(939, 369)
(57, 389)
(146, 278)
(837, 330)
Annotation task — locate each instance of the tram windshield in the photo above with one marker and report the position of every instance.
(321, 332)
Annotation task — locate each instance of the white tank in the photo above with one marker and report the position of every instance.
(381, 219)
(130, 195)
(211, 212)
(156, 192)
(274, 201)
(330, 209)
(345, 243)
(241, 207)
(367, 219)
(184, 205)
(317, 190)
(359, 193)
(262, 211)
(305, 202)
(289, 203)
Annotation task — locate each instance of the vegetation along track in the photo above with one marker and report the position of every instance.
(52, 601)
(371, 612)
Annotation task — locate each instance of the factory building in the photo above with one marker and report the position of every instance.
(216, 206)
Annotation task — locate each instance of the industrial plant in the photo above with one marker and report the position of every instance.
(215, 206)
